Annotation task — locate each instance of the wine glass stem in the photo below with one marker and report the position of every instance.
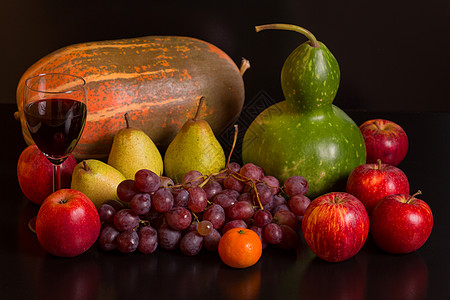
(56, 177)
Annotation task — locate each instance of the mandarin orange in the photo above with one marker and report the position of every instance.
(240, 248)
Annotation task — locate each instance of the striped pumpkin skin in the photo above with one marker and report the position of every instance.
(157, 80)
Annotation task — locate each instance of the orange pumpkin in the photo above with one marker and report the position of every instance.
(157, 80)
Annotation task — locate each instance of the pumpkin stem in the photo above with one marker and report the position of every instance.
(127, 119)
(312, 39)
(200, 103)
(245, 65)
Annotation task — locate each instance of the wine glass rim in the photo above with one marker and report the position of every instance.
(78, 87)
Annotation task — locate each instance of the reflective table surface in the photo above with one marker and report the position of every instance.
(28, 272)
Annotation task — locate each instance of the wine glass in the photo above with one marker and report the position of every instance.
(55, 109)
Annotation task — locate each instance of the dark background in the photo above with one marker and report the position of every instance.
(393, 55)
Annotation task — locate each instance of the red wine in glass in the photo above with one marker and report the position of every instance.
(56, 125)
(54, 106)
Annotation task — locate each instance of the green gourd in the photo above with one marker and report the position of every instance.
(306, 134)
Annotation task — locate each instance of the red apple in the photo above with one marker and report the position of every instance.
(372, 182)
(384, 140)
(35, 174)
(67, 223)
(335, 226)
(401, 223)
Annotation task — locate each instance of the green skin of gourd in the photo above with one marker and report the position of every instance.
(306, 134)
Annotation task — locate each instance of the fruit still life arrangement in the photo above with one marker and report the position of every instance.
(306, 169)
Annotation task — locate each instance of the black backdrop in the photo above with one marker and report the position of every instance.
(393, 55)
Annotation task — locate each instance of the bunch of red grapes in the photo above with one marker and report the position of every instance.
(196, 213)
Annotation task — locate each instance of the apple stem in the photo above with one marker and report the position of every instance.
(419, 192)
(200, 103)
(379, 164)
(312, 39)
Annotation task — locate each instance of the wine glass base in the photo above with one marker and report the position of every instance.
(32, 225)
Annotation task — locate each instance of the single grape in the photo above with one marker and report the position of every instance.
(246, 197)
(298, 205)
(178, 218)
(106, 213)
(252, 171)
(232, 193)
(141, 203)
(280, 208)
(296, 185)
(224, 200)
(289, 238)
(168, 238)
(286, 217)
(107, 238)
(262, 218)
(197, 199)
(162, 200)
(204, 227)
(234, 166)
(166, 182)
(241, 210)
(126, 219)
(212, 188)
(273, 183)
(127, 241)
(147, 181)
(191, 243)
(260, 233)
(148, 239)
(234, 184)
(192, 178)
(191, 227)
(264, 193)
(211, 241)
(233, 224)
(278, 200)
(115, 204)
(272, 233)
(216, 215)
(180, 197)
(126, 190)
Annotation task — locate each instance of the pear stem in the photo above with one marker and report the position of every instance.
(312, 39)
(200, 103)
(127, 119)
(85, 166)
(245, 65)
(232, 146)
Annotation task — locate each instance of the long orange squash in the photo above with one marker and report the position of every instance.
(156, 79)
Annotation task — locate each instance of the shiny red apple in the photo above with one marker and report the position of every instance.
(372, 182)
(401, 223)
(67, 223)
(335, 226)
(35, 174)
(384, 140)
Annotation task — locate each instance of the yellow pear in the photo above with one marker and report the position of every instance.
(133, 150)
(195, 147)
(97, 180)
